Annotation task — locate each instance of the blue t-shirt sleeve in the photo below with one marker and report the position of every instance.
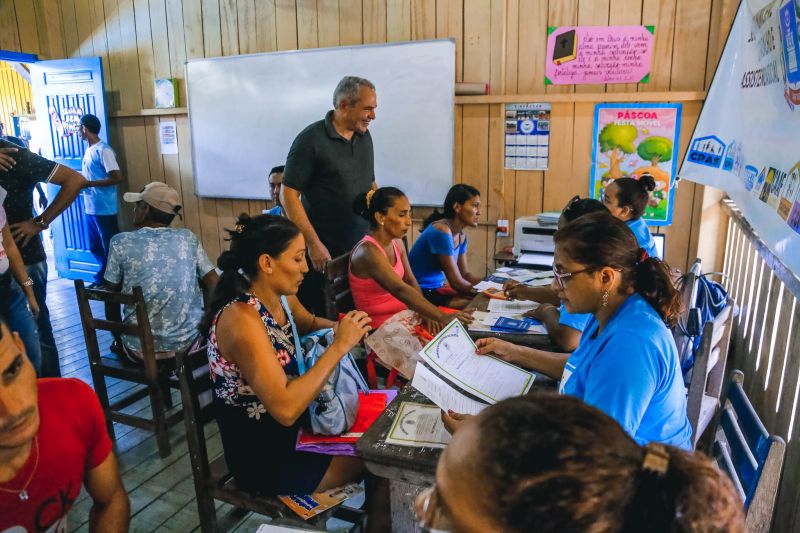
(622, 379)
(440, 243)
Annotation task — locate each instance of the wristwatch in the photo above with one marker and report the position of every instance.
(39, 221)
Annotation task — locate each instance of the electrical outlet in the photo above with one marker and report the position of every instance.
(502, 228)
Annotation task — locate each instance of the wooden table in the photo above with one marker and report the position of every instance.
(408, 469)
(543, 342)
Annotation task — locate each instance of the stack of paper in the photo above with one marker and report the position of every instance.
(549, 217)
(454, 377)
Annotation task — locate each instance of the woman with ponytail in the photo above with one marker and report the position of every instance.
(552, 464)
(439, 255)
(626, 363)
(626, 199)
(260, 397)
(381, 279)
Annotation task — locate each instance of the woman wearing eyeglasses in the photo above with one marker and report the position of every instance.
(551, 464)
(626, 363)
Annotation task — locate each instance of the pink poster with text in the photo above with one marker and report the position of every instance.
(598, 54)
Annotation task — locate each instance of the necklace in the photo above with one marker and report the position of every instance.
(23, 493)
(453, 232)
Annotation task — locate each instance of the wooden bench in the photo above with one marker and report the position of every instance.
(751, 456)
(156, 376)
(212, 479)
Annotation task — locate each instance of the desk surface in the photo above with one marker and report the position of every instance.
(403, 463)
(481, 303)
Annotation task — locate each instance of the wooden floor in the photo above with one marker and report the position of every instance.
(160, 490)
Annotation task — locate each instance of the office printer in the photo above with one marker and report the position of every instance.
(533, 242)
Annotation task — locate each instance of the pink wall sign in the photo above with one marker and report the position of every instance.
(598, 54)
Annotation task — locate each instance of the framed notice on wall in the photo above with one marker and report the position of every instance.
(598, 54)
(631, 140)
(527, 145)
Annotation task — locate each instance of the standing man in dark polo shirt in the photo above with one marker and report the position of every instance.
(330, 163)
(20, 171)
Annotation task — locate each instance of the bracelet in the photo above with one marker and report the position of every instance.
(27, 283)
(39, 221)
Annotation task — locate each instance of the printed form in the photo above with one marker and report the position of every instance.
(451, 359)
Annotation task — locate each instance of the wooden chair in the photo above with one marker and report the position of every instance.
(709, 371)
(157, 378)
(751, 456)
(338, 298)
(212, 479)
(689, 323)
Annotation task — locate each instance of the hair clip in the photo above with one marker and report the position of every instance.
(642, 256)
(238, 228)
(370, 194)
(656, 459)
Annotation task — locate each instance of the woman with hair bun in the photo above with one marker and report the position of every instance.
(626, 363)
(439, 255)
(381, 279)
(552, 464)
(261, 399)
(626, 199)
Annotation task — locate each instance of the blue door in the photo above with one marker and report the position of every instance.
(63, 91)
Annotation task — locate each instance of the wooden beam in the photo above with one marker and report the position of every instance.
(665, 96)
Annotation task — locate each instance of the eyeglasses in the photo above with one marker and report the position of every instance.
(562, 277)
(430, 515)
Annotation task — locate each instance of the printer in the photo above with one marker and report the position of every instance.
(533, 242)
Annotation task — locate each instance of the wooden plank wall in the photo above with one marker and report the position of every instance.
(15, 96)
(499, 41)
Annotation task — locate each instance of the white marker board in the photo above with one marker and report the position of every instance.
(245, 111)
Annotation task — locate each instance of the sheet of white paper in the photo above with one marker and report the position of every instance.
(511, 307)
(418, 425)
(535, 259)
(452, 354)
(504, 269)
(168, 133)
(442, 394)
(483, 285)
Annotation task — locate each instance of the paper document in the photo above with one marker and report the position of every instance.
(483, 285)
(442, 394)
(535, 259)
(451, 355)
(511, 307)
(418, 425)
(541, 282)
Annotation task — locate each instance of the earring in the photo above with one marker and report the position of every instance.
(269, 271)
(605, 298)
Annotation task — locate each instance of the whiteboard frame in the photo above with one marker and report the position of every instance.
(450, 112)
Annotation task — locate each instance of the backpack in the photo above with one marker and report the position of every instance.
(334, 410)
(710, 300)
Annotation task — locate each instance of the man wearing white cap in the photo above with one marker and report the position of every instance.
(169, 264)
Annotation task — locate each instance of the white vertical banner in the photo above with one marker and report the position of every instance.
(747, 139)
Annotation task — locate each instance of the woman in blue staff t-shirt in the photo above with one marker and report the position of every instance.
(626, 199)
(438, 258)
(626, 363)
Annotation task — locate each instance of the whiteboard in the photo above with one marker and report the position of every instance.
(245, 111)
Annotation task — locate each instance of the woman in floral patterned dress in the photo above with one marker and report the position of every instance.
(261, 400)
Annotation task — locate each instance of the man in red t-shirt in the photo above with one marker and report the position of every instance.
(53, 439)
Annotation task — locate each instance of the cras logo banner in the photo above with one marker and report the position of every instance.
(745, 140)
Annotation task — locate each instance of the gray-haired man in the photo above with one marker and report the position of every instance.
(331, 162)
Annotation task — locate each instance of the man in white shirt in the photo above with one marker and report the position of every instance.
(102, 173)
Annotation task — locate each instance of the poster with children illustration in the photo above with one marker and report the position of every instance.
(631, 140)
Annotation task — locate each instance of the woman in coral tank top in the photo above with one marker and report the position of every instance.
(381, 280)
